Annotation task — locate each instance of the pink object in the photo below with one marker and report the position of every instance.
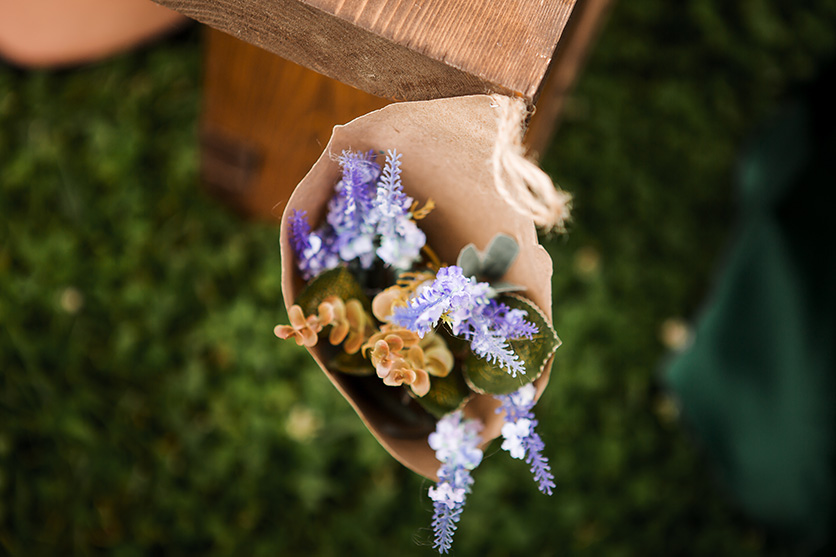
(50, 33)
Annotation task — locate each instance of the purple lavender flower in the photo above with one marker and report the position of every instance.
(493, 347)
(451, 295)
(391, 202)
(463, 304)
(400, 238)
(512, 323)
(456, 444)
(401, 246)
(350, 209)
(368, 217)
(299, 231)
(315, 251)
(519, 436)
(359, 167)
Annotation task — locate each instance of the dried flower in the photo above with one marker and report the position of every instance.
(404, 373)
(349, 322)
(437, 359)
(386, 300)
(303, 330)
(398, 359)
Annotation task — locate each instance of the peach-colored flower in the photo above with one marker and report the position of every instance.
(403, 374)
(349, 322)
(359, 325)
(438, 358)
(399, 360)
(332, 312)
(303, 330)
(386, 300)
(385, 355)
(406, 337)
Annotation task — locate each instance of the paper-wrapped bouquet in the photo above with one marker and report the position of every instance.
(420, 289)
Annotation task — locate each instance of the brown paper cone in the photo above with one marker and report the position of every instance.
(446, 146)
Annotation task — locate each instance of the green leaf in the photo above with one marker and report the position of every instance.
(336, 282)
(487, 378)
(446, 394)
(352, 364)
(501, 253)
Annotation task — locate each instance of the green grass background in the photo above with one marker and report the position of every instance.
(146, 408)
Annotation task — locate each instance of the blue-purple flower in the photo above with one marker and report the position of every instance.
(400, 238)
(368, 217)
(350, 210)
(315, 251)
(456, 445)
(451, 296)
(519, 437)
(463, 304)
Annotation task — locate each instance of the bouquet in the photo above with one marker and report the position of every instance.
(440, 345)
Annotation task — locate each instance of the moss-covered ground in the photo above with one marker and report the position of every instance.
(147, 409)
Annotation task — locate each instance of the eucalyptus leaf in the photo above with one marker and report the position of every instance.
(469, 260)
(499, 256)
(336, 282)
(486, 378)
(501, 287)
(446, 394)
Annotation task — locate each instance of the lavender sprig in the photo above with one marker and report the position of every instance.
(400, 238)
(368, 217)
(350, 208)
(512, 323)
(299, 231)
(391, 202)
(450, 295)
(464, 305)
(315, 251)
(519, 436)
(456, 444)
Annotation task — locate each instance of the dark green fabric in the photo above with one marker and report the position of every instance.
(757, 384)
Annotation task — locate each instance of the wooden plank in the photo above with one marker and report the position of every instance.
(402, 49)
(265, 122)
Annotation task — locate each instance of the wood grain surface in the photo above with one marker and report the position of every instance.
(265, 122)
(402, 49)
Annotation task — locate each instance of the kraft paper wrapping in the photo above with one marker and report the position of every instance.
(446, 146)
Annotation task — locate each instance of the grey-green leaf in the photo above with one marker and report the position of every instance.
(469, 260)
(501, 287)
(499, 256)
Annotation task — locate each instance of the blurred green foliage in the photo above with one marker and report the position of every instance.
(146, 408)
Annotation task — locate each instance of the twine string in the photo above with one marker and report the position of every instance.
(523, 184)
